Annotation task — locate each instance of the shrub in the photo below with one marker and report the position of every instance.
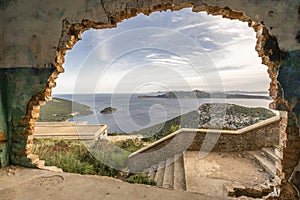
(140, 179)
(72, 156)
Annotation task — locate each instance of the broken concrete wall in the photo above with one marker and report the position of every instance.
(33, 29)
(289, 78)
(17, 87)
(36, 34)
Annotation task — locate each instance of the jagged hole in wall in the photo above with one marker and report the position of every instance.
(151, 69)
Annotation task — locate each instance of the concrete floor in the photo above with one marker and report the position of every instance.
(207, 175)
(29, 184)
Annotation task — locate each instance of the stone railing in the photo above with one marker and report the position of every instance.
(251, 138)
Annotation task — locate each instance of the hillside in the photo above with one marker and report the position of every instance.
(236, 117)
(209, 116)
(61, 110)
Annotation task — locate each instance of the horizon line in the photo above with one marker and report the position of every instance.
(127, 92)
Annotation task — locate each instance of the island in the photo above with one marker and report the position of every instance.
(203, 94)
(108, 110)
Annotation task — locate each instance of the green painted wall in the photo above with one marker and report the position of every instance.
(289, 78)
(17, 86)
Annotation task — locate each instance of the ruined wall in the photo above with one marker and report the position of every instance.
(35, 35)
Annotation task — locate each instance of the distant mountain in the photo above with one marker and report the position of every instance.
(203, 94)
(247, 92)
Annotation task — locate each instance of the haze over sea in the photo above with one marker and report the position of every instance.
(134, 113)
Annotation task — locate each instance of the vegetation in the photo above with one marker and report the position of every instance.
(116, 133)
(61, 110)
(140, 179)
(74, 157)
(259, 112)
(158, 131)
(130, 145)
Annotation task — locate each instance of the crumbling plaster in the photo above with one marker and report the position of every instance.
(35, 35)
(32, 29)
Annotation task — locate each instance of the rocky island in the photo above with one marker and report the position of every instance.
(203, 94)
(108, 110)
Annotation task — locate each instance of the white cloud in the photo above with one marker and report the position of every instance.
(190, 26)
(229, 43)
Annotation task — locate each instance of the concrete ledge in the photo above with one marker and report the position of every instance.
(70, 130)
(259, 124)
(45, 124)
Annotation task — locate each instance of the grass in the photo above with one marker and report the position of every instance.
(140, 179)
(73, 156)
(130, 145)
(101, 158)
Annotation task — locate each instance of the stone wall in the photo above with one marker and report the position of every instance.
(36, 35)
(251, 138)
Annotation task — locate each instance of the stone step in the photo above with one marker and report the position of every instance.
(159, 176)
(229, 189)
(152, 172)
(168, 181)
(266, 163)
(179, 174)
(270, 153)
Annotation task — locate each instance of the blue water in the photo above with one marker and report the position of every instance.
(135, 113)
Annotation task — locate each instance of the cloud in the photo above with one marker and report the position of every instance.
(190, 26)
(215, 47)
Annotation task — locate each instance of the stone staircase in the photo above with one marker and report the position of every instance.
(169, 174)
(267, 160)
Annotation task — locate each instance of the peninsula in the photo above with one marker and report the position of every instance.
(203, 94)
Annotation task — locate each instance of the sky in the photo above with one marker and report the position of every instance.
(165, 51)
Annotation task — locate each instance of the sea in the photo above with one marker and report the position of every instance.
(134, 113)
